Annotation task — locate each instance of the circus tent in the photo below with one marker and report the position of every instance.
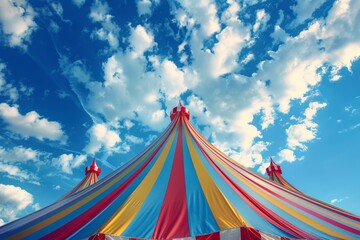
(274, 171)
(181, 186)
(92, 173)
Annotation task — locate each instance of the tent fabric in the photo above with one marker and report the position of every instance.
(243, 233)
(181, 186)
(274, 171)
(92, 173)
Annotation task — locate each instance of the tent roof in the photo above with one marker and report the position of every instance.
(92, 173)
(182, 186)
(275, 174)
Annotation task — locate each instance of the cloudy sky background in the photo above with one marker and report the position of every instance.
(261, 79)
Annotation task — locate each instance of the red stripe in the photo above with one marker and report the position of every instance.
(306, 198)
(249, 234)
(173, 218)
(75, 224)
(99, 236)
(256, 205)
(211, 236)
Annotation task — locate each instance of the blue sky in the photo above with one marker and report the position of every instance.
(261, 79)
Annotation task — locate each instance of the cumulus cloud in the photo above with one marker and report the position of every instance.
(295, 67)
(13, 200)
(227, 104)
(31, 124)
(140, 40)
(286, 155)
(17, 22)
(67, 162)
(18, 154)
(305, 131)
(15, 172)
(204, 13)
(108, 31)
(101, 137)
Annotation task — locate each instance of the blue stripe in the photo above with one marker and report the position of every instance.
(144, 223)
(250, 216)
(201, 218)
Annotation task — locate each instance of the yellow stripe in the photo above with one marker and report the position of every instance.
(72, 208)
(303, 218)
(117, 224)
(225, 214)
(285, 207)
(312, 206)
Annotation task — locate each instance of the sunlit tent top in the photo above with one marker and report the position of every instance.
(92, 173)
(182, 186)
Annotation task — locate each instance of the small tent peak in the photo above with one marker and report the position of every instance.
(180, 109)
(273, 167)
(93, 168)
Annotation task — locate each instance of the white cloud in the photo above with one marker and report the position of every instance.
(31, 124)
(67, 162)
(295, 67)
(141, 40)
(8, 90)
(144, 7)
(108, 31)
(338, 200)
(251, 156)
(286, 155)
(304, 9)
(79, 3)
(134, 139)
(261, 20)
(13, 200)
(311, 111)
(279, 35)
(335, 200)
(204, 13)
(305, 131)
(101, 137)
(299, 134)
(350, 128)
(18, 154)
(14, 172)
(128, 124)
(17, 21)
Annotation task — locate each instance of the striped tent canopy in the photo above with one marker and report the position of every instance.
(274, 171)
(92, 173)
(181, 186)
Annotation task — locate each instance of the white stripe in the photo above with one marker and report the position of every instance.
(231, 234)
(268, 236)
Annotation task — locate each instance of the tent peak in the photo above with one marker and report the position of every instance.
(180, 109)
(93, 168)
(273, 167)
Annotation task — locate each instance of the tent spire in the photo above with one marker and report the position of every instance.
(180, 109)
(92, 173)
(273, 168)
(93, 168)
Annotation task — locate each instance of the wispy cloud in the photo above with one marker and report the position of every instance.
(350, 128)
